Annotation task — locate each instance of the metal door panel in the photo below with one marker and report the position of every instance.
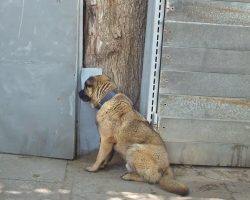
(38, 69)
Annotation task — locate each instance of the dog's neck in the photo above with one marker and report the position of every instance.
(106, 98)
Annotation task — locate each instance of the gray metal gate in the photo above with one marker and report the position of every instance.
(203, 103)
(39, 61)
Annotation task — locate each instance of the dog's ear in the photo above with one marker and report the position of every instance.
(90, 82)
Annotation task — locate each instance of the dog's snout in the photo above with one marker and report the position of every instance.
(81, 93)
(83, 96)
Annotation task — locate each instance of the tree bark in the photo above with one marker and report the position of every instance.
(114, 41)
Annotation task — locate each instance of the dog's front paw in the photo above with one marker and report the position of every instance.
(103, 166)
(91, 169)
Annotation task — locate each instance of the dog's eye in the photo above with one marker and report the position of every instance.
(89, 82)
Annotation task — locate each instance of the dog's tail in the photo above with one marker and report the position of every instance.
(169, 184)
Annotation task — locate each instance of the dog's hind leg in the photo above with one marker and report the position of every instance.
(141, 161)
(131, 176)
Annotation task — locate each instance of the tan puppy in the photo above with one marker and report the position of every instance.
(126, 131)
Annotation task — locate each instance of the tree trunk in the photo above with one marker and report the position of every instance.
(114, 41)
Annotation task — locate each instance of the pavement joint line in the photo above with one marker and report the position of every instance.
(30, 180)
(65, 179)
(65, 184)
(65, 171)
(230, 192)
(217, 179)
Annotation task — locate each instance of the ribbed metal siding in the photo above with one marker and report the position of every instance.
(204, 105)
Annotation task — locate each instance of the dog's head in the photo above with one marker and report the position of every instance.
(95, 88)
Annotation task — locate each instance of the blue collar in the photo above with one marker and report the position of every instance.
(105, 99)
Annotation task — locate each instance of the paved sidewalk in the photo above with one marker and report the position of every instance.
(33, 178)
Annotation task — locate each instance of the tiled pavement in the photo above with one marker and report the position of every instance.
(35, 178)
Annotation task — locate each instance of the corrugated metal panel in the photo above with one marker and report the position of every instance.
(183, 34)
(205, 84)
(200, 130)
(206, 153)
(205, 60)
(209, 11)
(204, 92)
(200, 107)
